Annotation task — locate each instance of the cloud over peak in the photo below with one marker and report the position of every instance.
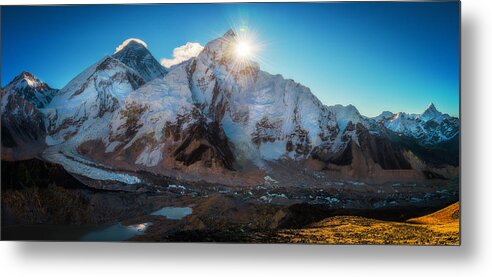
(183, 53)
(121, 46)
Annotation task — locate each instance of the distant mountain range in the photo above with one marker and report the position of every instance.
(429, 127)
(209, 116)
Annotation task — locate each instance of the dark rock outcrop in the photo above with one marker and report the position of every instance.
(206, 143)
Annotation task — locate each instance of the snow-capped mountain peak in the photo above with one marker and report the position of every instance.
(217, 48)
(346, 114)
(25, 80)
(431, 113)
(135, 54)
(30, 88)
(431, 106)
(222, 51)
(219, 60)
(131, 42)
(23, 128)
(383, 115)
(229, 34)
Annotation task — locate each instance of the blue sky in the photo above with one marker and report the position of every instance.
(377, 56)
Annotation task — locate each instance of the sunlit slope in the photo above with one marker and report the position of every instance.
(448, 215)
(439, 228)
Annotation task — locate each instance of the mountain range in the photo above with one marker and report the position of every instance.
(210, 118)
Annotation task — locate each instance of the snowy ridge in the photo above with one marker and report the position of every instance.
(384, 115)
(153, 107)
(97, 91)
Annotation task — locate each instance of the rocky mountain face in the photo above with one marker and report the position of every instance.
(216, 113)
(160, 124)
(87, 103)
(23, 125)
(89, 100)
(255, 116)
(134, 54)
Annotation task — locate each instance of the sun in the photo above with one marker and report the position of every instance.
(243, 49)
(245, 44)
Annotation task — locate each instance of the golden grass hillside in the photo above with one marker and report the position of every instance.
(450, 214)
(439, 228)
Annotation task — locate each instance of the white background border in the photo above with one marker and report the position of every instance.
(471, 259)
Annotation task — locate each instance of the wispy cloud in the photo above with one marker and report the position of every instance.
(121, 46)
(183, 53)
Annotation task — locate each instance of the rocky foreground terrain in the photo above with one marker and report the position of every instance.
(35, 197)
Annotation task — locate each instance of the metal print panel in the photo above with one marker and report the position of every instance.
(323, 123)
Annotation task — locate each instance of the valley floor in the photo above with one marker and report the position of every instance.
(41, 201)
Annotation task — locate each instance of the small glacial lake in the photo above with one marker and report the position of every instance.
(116, 232)
(120, 232)
(175, 213)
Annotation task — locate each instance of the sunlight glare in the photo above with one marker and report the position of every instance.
(243, 49)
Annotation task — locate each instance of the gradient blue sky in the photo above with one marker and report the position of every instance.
(377, 56)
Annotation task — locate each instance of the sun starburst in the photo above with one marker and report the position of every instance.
(243, 53)
(243, 49)
(246, 45)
